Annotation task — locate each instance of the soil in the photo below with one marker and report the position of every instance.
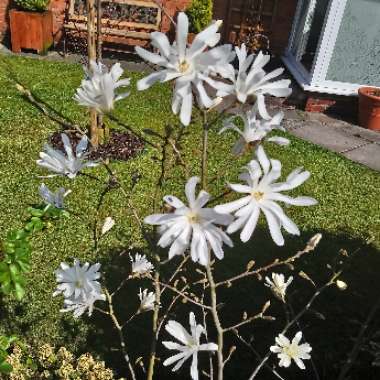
(121, 146)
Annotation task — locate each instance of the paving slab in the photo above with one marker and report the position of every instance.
(366, 134)
(328, 136)
(368, 155)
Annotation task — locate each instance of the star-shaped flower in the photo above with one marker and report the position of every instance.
(287, 351)
(55, 199)
(67, 165)
(77, 281)
(250, 82)
(147, 300)
(189, 345)
(255, 129)
(97, 90)
(262, 195)
(278, 285)
(192, 226)
(78, 306)
(140, 265)
(188, 65)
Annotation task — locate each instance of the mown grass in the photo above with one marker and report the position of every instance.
(347, 214)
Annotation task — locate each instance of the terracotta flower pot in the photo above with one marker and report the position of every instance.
(31, 30)
(369, 108)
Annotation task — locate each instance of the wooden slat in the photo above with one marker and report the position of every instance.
(110, 31)
(146, 4)
(142, 3)
(127, 24)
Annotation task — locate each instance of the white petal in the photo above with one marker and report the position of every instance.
(274, 227)
(149, 80)
(174, 201)
(279, 140)
(156, 59)
(263, 159)
(178, 331)
(194, 367)
(161, 42)
(250, 225)
(182, 32)
(240, 188)
(190, 190)
(232, 206)
(186, 108)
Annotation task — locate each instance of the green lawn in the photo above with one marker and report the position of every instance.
(347, 214)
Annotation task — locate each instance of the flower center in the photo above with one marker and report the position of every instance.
(258, 195)
(193, 217)
(184, 66)
(79, 284)
(291, 351)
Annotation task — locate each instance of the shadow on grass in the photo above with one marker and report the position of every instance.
(330, 326)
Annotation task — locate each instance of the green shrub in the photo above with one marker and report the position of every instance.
(33, 5)
(200, 14)
(49, 363)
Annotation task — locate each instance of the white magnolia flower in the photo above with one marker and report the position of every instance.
(278, 285)
(262, 193)
(189, 65)
(192, 226)
(189, 345)
(255, 129)
(67, 165)
(287, 351)
(79, 305)
(107, 225)
(250, 82)
(140, 265)
(147, 300)
(78, 281)
(54, 199)
(97, 90)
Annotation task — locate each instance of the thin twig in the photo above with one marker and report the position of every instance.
(295, 320)
(119, 329)
(187, 298)
(311, 245)
(359, 340)
(257, 354)
(218, 326)
(155, 324)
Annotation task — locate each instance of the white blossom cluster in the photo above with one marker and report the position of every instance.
(204, 74)
(79, 286)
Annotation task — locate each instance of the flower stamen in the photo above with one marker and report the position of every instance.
(258, 195)
(183, 66)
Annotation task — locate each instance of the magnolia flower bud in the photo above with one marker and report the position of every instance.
(108, 224)
(341, 285)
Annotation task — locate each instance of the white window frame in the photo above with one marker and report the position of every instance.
(315, 80)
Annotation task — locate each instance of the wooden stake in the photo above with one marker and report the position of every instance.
(91, 54)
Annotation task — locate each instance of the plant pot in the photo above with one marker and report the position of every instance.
(31, 30)
(369, 108)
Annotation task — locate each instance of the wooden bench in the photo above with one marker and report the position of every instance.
(121, 19)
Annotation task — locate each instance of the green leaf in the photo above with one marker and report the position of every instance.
(19, 291)
(5, 367)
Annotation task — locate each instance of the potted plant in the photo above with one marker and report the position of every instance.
(369, 108)
(200, 16)
(31, 26)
